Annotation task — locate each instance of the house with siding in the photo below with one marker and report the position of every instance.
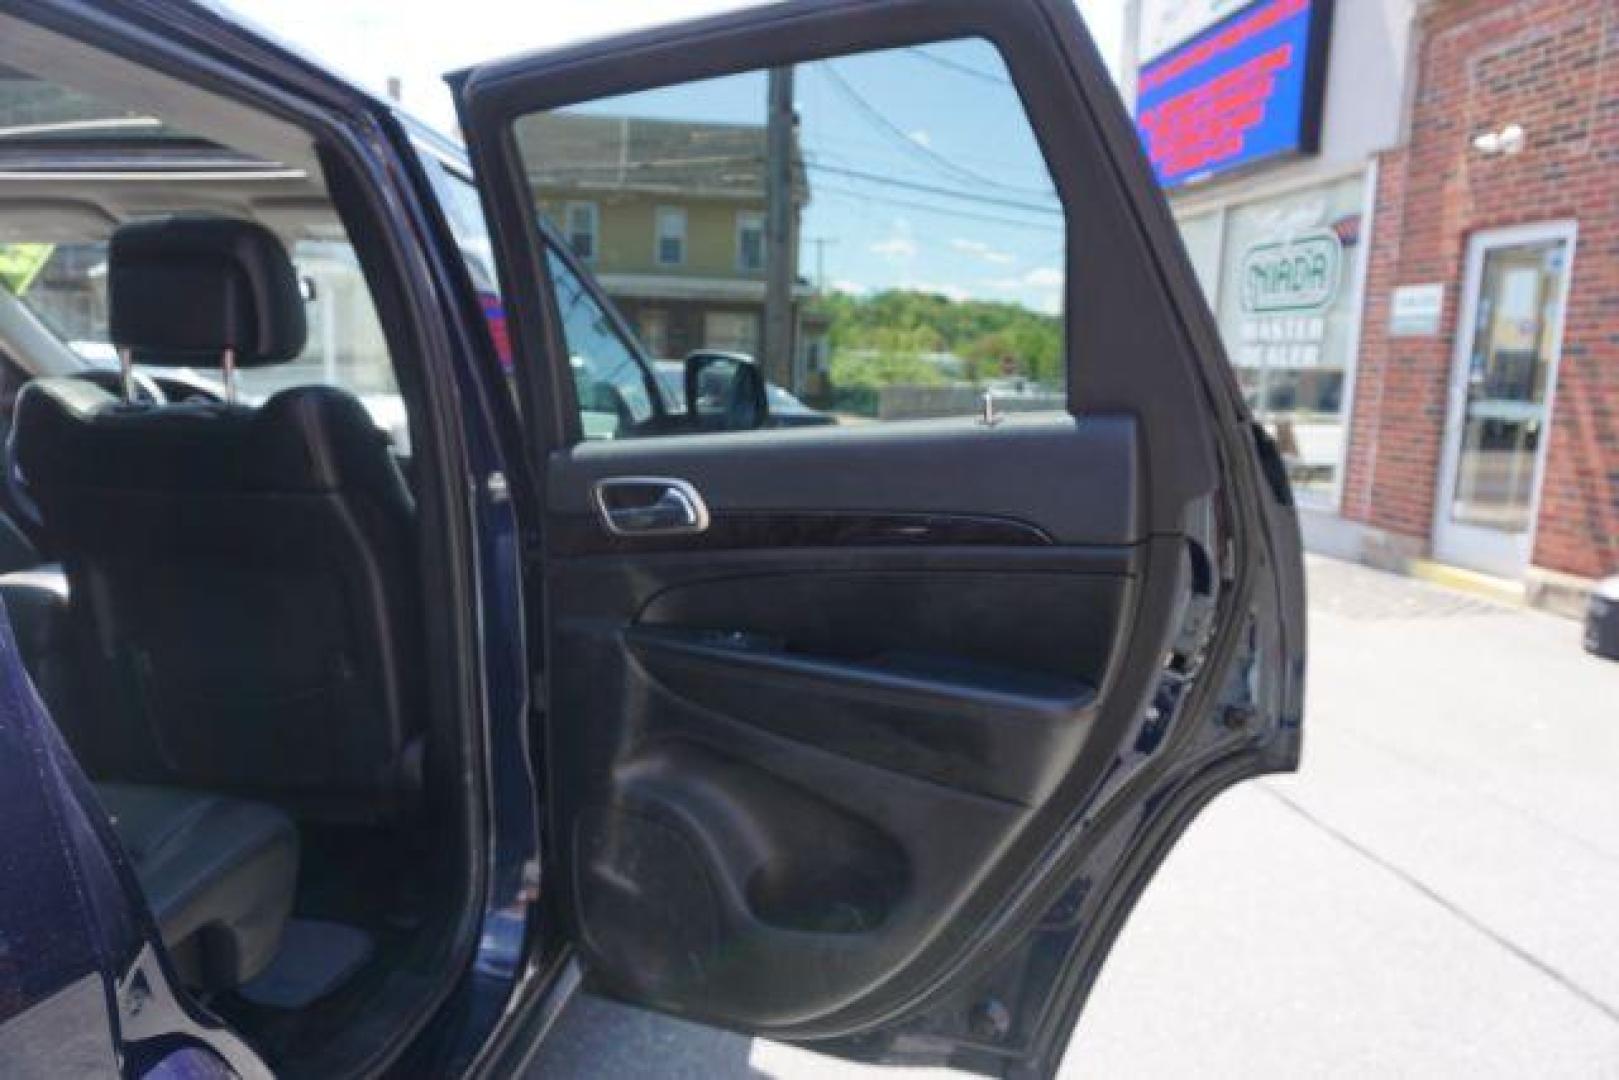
(670, 215)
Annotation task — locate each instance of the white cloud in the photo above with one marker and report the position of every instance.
(899, 245)
(981, 250)
(1041, 278)
(951, 292)
(920, 137)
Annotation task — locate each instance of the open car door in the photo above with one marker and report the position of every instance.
(867, 736)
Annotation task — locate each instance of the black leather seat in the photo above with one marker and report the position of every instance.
(243, 579)
(218, 874)
(37, 602)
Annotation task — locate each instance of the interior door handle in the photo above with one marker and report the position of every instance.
(650, 506)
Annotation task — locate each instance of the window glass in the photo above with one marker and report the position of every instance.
(582, 230)
(1286, 305)
(108, 163)
(671, 236)
(655, 331)
(731, 331)
(750, 241)
(613, 385)
(922, 244)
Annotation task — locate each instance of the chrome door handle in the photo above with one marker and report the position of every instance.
(649, 506)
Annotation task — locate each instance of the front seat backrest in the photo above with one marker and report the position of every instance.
(243, 578)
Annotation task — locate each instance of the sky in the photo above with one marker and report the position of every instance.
(916, 180)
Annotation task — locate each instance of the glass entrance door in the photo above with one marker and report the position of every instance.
(1505, 366)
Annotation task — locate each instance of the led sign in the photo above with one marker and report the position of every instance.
(1244, 90)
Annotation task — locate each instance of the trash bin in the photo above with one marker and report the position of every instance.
(1602, 620)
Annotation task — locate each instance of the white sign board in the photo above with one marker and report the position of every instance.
(1292, 273)
(1415, 310)
(1168, 23)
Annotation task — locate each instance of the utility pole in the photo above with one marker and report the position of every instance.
(821, 244)
(781, 251)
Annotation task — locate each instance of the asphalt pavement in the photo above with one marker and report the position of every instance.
(1435, 894)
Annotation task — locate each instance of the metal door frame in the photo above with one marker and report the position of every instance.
(1471, 545)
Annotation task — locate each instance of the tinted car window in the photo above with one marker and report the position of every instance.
(923, 241)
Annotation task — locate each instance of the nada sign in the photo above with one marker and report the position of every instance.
(1243, 90)
(1299, 273)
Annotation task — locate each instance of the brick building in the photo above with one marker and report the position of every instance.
(1484, 425)
(1445, 390)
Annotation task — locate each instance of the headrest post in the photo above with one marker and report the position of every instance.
(126, 373)
(227, 364)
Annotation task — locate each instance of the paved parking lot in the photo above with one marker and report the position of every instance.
(1436, 894)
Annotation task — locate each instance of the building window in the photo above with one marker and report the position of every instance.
(731, 331)
(671, 238)
(1282, 277)
(750, 242)
(583, 225)
(655, 332)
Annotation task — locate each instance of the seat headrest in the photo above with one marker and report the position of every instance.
(181, 290)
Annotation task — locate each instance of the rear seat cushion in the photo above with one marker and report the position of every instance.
(218, 873)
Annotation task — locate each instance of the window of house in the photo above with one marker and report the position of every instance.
(671, 238)
(731, 331)
(655, 331)
(750, 241)
(582, 224)
(614, 388)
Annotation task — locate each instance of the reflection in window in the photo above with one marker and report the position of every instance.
(614, 393)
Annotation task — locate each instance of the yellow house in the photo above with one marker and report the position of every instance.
(670, 215)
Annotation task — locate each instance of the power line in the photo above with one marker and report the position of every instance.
(958, 67)
(562, 175)
(851, 144)
(931, 208)
(933, 189)
(883, 124)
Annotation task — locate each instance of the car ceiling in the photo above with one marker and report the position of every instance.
(43, 205)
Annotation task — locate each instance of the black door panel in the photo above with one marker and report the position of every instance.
(998, 730)
(815, 752)
(769, 858)
(1076, 481)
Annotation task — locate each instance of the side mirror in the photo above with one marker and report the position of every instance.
(725, 392)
